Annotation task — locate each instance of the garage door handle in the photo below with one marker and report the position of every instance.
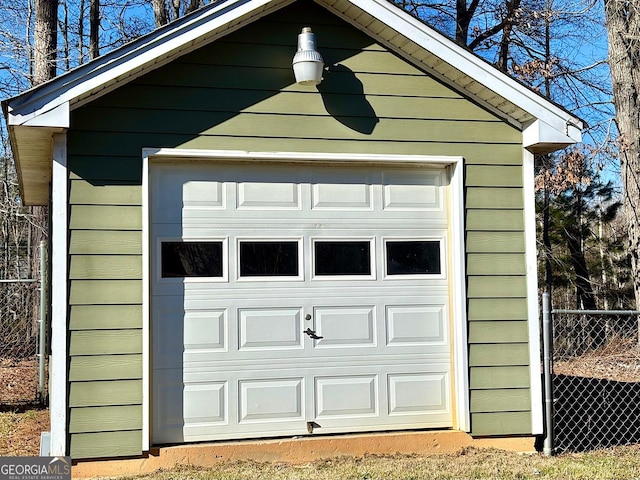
(312, 334)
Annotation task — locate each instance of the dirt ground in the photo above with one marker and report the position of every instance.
(21, 420)
(18, 381)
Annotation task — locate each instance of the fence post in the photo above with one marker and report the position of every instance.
(547, 349)
(42, 320)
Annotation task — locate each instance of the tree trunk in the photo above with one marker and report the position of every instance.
(160, 15)
(94, 29)
(623, 26)
(45, 44)
(45, 41)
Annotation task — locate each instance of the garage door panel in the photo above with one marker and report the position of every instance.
(418, 393)
(187, 336)
(345, 326)
(336, 196)
(416, 325)
(268, 196)
(412, 190)
(270, 329)
(193, 187)
(205, 330)
(271, 400)
(346, 396)
(206, 404)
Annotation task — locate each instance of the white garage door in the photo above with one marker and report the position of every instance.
(296, 299)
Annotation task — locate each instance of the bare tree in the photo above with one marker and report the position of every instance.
(623, 27)
(165, 11)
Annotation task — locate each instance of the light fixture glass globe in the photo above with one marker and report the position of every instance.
(307, 62)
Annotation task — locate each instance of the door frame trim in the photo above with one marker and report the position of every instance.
(455, 166)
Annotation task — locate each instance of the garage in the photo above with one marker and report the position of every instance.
(290, 299)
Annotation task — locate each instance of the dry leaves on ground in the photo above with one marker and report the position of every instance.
(18, 380)
(617, 361)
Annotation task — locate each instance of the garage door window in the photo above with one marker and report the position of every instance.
(342, 257)
(269, 259)
(192, 259)
(413, 257)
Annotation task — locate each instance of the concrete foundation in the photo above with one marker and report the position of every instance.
(298, 450)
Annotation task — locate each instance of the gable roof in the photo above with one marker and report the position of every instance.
(35, 115)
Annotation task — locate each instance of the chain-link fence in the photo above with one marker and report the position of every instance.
(19, 341)
(596, 379)
(22, 337)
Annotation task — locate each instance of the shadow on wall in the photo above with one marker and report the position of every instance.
(354, 110)
(593, 413)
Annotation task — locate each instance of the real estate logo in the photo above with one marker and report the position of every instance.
(35, 468)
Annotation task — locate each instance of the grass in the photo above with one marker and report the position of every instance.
(615, 464)
(20, 431)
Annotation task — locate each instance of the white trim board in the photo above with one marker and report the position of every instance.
(537, 421)
(59, 298)
(459, 315)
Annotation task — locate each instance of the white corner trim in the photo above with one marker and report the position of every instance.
(459, 300)
(459, 315)
(59, 286)
(146, 309)
(537, 422)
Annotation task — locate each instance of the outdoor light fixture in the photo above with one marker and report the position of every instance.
(307, 62)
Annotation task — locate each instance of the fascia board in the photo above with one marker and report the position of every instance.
(154, 50)
(468, 63)
(57, 117)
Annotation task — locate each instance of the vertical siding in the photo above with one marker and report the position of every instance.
(239, 94)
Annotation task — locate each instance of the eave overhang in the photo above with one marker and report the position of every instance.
(35, 115)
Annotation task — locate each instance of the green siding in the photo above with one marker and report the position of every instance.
(495, 264)
(507, 400)
(495, 242)
(105, 419)
(106, 444)
(99, 317)
(105, 342)
(501, 332)
(501, 423)
(105, 242)
(97, 394)
(486, 378)
(105, 217)
(493, 309)
(105, 367)
(498, 354)
(105, 267)
(499, 198)
(105, 292)
(225, 96)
